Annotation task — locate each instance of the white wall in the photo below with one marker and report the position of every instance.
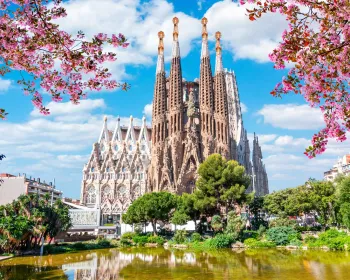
(11, 189)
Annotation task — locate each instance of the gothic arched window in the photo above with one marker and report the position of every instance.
(121, 190)
(136, 191)
(91, 195)
(106, 192)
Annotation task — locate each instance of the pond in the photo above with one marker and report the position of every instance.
(159, 263)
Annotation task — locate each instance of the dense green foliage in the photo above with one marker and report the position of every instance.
(254, 243)
(332, 239)
(220, 241)
(25, 221)
(80, 246)
(180, 236)
(220, 183)
(151, 208)
(235, 225)
(282, 235)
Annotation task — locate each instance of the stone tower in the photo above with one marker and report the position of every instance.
(220, 105)
(260, 183)
(192, 120)
(206, 96)
(159, 119)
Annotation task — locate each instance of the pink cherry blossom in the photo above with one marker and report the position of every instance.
(31, 42)
(318, 43)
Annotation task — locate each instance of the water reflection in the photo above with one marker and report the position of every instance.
(157, 263)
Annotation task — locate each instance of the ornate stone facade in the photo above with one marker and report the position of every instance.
(116, 173)
(206, 118)
(190, 120)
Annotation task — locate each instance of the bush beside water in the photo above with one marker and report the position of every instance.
(99, 243)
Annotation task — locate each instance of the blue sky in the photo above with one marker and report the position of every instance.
(57, 146)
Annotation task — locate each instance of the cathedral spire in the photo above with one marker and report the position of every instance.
(205, 50)
(218, 63)
(176, 47)
(175, 79)
(206, 96)
(160, 62)
(104, 133)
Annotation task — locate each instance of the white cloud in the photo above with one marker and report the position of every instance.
(140, 23)
(244, 108)
(244, 38)
(200, 4)
(288, 140)
(64, 108)
(147, 110)
(4, 85)
(53, 145)
(292, 116)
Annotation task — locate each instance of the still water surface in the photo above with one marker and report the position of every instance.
(161, 264)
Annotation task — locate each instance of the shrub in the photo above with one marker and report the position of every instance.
(125, 243)
(250, 234)
(280, 235)
(332, 233)
(196, 237)
(140, 239)
(295, 242)
(261, 231)
(220, 241)
(282, 222)
(216, 223)
(128, 235)
(104, 243)
(253, 243)
(310, 239)
(180, 236)
(156, 239)
(235, 225)
(333, 239)
(78, 246)
(138, 228)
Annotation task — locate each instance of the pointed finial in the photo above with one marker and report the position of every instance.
(118, 119)
(204, 28)
(105, 118)
(161, 44)
(218, 46)
(176, 29)
(131, 118)
(143, 119)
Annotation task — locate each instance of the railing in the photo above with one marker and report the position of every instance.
(81, 217)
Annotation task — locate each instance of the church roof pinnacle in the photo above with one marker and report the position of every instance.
(205, 50)
(176, 47)
(160, 61)
(218, 64)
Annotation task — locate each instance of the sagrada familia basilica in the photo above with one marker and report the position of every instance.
(190, 121)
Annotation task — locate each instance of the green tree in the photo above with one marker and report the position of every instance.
(186, 204)
(151, 208)
(25, 221)
(235, 225)
(221, 183)
(322, 197)
(216, 223)
(255, 207)
(179, 218)
(343, 200)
